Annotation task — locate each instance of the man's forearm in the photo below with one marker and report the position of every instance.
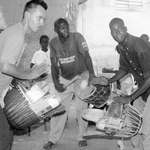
(141, 89)
(12, 70)
(120, 74)
(54, 70)
(89, 63)
(55, 74)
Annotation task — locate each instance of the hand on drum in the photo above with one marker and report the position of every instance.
(91, 77)
(100, 80)
(39, 70)
(59, 87)
(122, 99)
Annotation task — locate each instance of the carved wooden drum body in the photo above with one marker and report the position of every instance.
(24, 108)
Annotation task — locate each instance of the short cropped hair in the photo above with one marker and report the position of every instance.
(43, 36)
(145, 37)
(114, 20)
(33, 4)
(59, 21)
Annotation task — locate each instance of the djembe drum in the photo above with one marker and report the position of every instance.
(98, 97)
(25, 107)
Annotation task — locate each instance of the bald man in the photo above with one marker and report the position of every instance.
(135, 59)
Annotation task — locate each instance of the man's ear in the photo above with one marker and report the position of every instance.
(27, 14)
(55, 30)
(126, 29)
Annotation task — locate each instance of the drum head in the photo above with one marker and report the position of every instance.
(93, 114)
(99, 96)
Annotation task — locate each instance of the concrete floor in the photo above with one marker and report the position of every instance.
(68, 141)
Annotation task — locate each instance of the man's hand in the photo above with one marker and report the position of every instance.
(39, 70)
(59, 87)
(91, 77)
(122, 99)
(100, 80)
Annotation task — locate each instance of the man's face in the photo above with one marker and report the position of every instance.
(36, 18)
(63, 30)
(118, 32)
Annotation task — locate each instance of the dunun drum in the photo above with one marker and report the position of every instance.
(24, 108)
(99, 96)
(120, 121)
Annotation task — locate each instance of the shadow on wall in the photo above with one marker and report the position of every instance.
(72, 13)
(71, 16)
(2, 22)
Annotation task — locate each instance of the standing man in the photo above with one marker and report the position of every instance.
(11, 49)
(135, 59)
(69, 58)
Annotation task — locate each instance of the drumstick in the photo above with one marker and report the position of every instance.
(72, 81)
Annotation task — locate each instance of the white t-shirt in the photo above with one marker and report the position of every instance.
(40, 57)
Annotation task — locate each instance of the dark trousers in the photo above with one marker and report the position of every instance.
(6, 135)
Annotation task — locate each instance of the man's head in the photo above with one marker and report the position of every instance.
(35, 14)
(61, 27)
(145, 37)
(44, 39)
(118, 30)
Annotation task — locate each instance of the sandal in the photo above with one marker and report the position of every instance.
(48, 145)
(82, 143)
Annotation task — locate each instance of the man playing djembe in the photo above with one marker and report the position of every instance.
(11, 49)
